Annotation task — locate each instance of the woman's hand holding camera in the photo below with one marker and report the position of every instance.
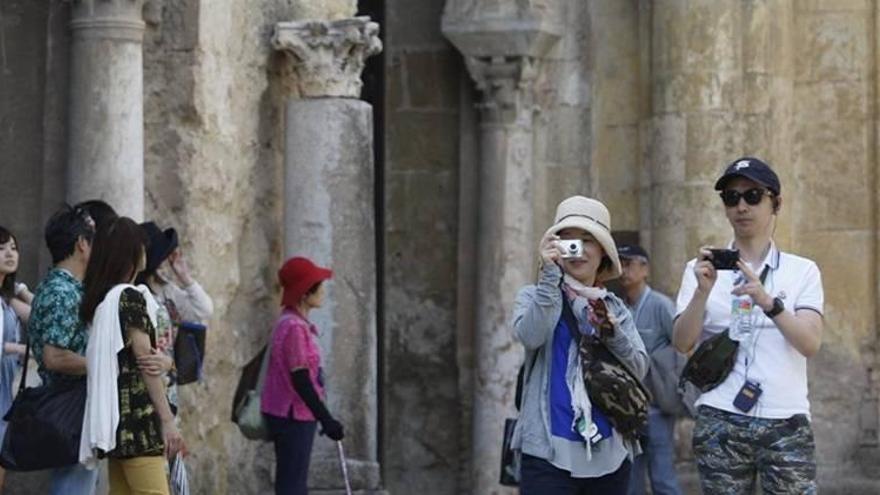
(549, 248)
(704, 271)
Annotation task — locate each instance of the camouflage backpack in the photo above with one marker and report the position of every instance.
(612, 387)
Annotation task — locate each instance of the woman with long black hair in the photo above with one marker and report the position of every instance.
(14, 310)
(141, 432)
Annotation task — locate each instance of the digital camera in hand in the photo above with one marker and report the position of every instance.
(724, 259)
(571, 248)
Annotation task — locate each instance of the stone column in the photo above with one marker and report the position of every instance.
(721, 79)
(106, 140)
(503, 57)
(329, 217)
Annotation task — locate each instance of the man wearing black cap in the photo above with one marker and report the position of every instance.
(755, 419)
(652, 312)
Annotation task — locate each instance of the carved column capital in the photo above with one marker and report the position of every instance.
(508, 88)
(327, 57)
(108, 19)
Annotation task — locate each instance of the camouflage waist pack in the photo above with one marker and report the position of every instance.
(614, 390)
(711, 362)
(612, 387)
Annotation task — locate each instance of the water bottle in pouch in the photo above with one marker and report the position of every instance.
(740, 318)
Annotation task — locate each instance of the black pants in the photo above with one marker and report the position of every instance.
(539, 477)
(293, 449)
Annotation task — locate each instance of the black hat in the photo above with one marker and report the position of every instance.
(754, 169)
(632, 251)
(162, 244)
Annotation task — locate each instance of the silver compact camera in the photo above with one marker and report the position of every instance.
(571, 248)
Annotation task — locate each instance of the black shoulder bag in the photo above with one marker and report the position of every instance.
(714, 358)
(189, 351)
(509, 465)
(44, 424)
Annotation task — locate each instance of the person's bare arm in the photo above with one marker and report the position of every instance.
(688, 326)
(63, 360)
(801, 328)
(140, 346)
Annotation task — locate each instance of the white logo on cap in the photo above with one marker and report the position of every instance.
(742, 164)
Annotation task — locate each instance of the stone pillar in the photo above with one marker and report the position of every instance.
(329, 217)
(106, 140)
(714, 67)
(503, 58)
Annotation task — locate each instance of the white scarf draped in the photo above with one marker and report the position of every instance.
(579, 296)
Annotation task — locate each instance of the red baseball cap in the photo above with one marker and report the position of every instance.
(297, 275)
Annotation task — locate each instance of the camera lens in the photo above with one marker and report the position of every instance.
(572, 247)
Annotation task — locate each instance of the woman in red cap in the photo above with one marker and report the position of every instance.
(293, 394)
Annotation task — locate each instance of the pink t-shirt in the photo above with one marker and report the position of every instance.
(294, 347)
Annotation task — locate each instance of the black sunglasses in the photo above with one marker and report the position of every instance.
(752, 196)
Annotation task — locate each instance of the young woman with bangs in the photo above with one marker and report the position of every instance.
(122, 320)
(15, 309)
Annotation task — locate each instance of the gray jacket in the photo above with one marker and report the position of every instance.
(535, 315)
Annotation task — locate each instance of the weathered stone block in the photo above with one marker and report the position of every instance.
(397, 96)
(567, 133)
(616, 156)
(415, 24)
(667, 149)
(323, 9)
(418, 139)
(840, 255)
(713, 31)
(832, 5)
(843, 162)
(832, 46)
(713, 140)
(433, 79)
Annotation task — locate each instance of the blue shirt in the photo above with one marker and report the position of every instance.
(561, 412)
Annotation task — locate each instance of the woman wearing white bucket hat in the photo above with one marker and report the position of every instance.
(568, 444)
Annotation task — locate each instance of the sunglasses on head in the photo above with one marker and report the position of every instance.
(753, 196)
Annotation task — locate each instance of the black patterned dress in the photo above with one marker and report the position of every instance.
(139, 432)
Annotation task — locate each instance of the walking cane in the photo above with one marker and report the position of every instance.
(344, 467)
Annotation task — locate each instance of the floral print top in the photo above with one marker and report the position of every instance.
(140, 431)
(55, 319)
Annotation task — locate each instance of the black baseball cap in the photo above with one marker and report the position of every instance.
(632, 251)
(751, 168)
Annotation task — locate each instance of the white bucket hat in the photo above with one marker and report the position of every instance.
(592, 216)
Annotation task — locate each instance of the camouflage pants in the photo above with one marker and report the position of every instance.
(732, 449)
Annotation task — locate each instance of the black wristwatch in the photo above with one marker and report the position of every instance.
(778, 307)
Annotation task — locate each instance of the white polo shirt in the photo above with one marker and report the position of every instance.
(779, 368)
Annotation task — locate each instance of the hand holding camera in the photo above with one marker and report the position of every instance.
(553, 248)
(705, 270)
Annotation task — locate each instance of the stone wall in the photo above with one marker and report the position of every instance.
(423, 438)
(834, 212)
(25, 32)
(214, 151)
(642, 103)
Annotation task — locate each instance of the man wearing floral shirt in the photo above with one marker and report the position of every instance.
(57, 335)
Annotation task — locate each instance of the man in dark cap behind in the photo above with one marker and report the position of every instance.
(652, 312)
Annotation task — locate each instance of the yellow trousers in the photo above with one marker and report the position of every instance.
(146, 475)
